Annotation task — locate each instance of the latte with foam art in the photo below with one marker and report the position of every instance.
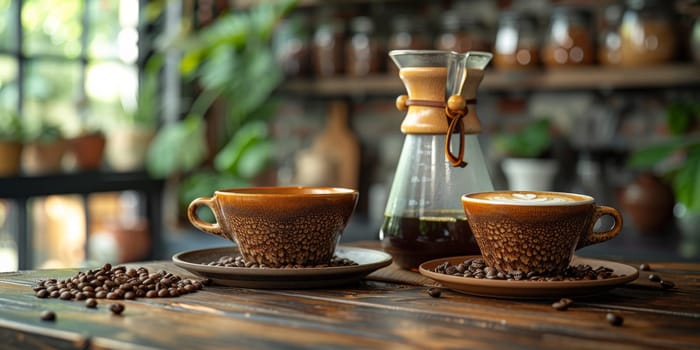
(531, 198)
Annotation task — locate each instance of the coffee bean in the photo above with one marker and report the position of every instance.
(48, 315)
(163, 293)
(562, 304)
(42, 293)
(654, 278)
(434, 292)
(116, 308)
(91, 303)
(614, 319)
(666, 284)
(559, 306)
(644, 267)
(66, 295)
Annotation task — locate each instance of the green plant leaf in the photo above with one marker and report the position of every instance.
(163, 159)
(532, 141)
(228, 158)
(255, 159)
(649, 156)
(679, 118)
(686, 181)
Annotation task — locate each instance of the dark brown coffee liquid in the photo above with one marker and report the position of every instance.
(413, 239)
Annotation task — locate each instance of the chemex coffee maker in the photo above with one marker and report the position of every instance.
(441, 158)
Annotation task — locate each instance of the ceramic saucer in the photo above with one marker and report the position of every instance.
(531, 289)
(196, 261)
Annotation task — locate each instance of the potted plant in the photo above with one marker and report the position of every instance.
(11, 138)
(225, 135)
(87, 149)
(526, 163)
(44, 150)
(678, 159)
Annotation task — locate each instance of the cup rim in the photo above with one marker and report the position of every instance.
(585, 199)
(286, 191)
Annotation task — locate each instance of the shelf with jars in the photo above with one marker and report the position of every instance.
(574, 78)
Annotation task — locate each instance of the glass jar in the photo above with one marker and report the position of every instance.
(407, 33)
(695, 40)
(292, 47)
(570, 39)
(461, 33)
(328, 47)
(517, 42)
(647, 33)
(364, 50)
(609, 36)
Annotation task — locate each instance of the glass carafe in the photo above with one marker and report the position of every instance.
(441, 158)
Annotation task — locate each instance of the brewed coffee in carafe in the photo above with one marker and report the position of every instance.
(440, 160)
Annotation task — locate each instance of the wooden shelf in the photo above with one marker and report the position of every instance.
(588, 78)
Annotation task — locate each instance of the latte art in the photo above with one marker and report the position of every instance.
(527, 198)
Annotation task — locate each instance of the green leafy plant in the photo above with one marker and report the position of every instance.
(46, 132)
(232, 66)
(683, 121)
(532, 141)
(10, 127)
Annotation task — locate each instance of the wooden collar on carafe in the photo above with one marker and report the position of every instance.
(455, 110)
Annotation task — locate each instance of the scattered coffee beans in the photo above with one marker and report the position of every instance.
(117, 308)
(654, 278)
(48, 315)
(117, 283)
(477, 268)
(238, 261)
(666, 284)
(614, 319)
(91, 303)
(644, 267)
(562, 304)
(434, 292)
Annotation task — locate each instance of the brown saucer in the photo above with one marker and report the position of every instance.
(368, 261)
(530, 289)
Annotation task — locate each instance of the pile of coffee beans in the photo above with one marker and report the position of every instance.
(238, 261)
(117, 282)
(477, 268)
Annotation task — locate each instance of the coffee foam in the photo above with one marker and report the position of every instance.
(529, 198)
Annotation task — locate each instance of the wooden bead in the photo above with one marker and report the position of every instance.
(401, 103)
(456, 103)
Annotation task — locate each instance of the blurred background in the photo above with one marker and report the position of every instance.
(114, 115)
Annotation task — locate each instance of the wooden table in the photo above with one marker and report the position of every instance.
(373, 313)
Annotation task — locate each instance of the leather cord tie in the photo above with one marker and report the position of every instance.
(455, 110)
(425, 103)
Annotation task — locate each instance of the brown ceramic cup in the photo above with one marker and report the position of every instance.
(279, 226)
(535, 231)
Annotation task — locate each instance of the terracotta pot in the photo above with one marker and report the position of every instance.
(88, 150)
(127, 147)
(649, 204)
(10, 156)
(42, 157)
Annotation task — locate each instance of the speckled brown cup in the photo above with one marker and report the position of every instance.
(279, 226)
(535, 231)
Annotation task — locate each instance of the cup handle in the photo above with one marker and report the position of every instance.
(596, 237)
(198, 223)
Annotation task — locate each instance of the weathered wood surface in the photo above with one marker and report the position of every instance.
(370, 314)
